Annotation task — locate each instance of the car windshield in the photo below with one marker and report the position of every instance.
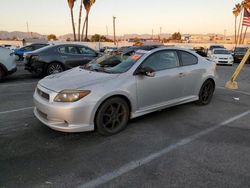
(221, 52)
(213, 47)
(241, 50)
(113, 64)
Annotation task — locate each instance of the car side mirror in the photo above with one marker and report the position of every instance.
(146, 71)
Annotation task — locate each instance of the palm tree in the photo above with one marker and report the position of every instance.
(236, 12)
(71, 4)
(246, 5)
(87, 6)
(80, 20)
(240, 25)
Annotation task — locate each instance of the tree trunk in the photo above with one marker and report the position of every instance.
(244, 35)
(79, 21)
(83, 28)
(235, 31)
(238, 35)
(73, 24)
(87, 25)
(241, 32)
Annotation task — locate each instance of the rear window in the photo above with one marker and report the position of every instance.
(188, 58)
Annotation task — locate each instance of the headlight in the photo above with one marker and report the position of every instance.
(70, 95)
(34, 58)
(231, 58)
(215, 57)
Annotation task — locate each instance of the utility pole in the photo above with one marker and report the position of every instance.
(28, 31)
(114, 29)
(160, 35)
(152, 34)
(107, 31)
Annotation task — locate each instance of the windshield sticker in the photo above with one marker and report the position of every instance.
(136, 56)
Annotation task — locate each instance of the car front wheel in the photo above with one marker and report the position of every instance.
(206, 93)
(112, 116)
(54, 68)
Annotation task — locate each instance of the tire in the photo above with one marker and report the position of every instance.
(112, 116)
(2, 74)
(18, 58)
(206, 93)
(54, 68)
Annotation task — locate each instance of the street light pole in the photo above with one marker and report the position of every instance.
(114, 29)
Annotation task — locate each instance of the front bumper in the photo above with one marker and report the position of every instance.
(12, 71)
(65, 117)
(224, 62)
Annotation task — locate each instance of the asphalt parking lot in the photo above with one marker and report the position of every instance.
(184, 146)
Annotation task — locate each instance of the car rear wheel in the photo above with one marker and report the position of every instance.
(206, 93)
(54, 68)
(2, 74)
(112, 116)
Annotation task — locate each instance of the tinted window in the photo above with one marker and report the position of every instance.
(86, 51)
(68, 50)
(221, 52)
(188, 59)
(28, 48)
(38, 46)
(162, 60)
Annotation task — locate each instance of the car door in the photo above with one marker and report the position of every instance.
(69, 55)
(191, 73)
(86, 55)
(166, 86)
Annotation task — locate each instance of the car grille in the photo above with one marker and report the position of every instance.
(222, 61)
(223, 58)
(43, 94)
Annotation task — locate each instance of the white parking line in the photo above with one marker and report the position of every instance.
(137, 163)
(237, 91)
(16, 110)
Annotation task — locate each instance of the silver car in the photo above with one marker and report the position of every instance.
(110, 90)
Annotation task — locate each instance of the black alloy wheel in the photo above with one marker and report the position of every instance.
(206, 93)
(54, 68)
(112, 116)
(2, 74)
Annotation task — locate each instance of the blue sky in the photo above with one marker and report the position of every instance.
(133, 16)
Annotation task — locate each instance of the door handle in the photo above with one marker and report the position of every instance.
(181, 74)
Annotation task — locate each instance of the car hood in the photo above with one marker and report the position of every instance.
(75, 79)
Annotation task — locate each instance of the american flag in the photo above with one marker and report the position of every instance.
(246, 18)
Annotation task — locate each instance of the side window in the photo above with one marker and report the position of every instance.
(62, 49)
(188, 59)
(68, 50)
(37, 47)
(162, 60)
(28, 48)
(86, 51)
(72, 50)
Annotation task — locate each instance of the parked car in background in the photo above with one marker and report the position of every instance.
(7, 62)
(222, 56)
(201, 51)
(11, 47)
(57, 58)
(20, 51)
(239, 53)
(105, 96)
(211, 47)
